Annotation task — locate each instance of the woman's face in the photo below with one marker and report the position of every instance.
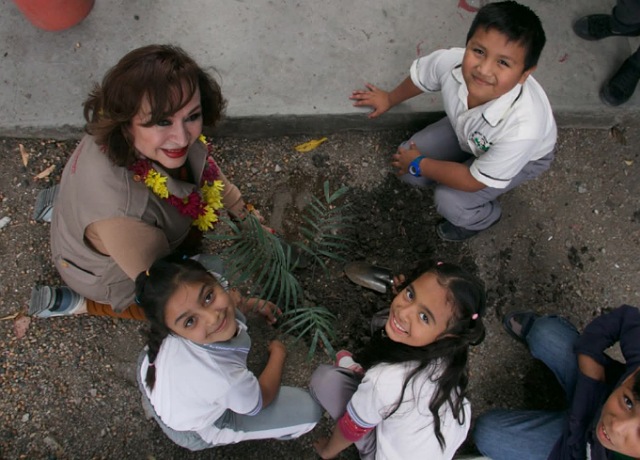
(167, 141)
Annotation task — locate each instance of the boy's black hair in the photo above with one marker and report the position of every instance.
(518, 22)
(636, 385)
(467, 297)
(154, 288)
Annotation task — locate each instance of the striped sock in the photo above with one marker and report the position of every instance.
(49, 301)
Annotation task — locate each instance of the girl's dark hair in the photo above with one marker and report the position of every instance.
(154, 287)
(167, 76)
(518, 22)
(466, 295)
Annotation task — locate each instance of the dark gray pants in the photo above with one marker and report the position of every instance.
(471, 210)
(626, 15)
(333, 388)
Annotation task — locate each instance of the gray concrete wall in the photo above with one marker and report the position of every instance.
(294, 59)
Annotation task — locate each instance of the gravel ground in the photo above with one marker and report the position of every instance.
(567, 242)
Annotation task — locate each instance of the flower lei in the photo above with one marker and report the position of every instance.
(203, 206)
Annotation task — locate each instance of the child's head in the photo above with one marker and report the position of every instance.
(619, 426)
(502, 49)
(434, 319)
(179, 296)
(442, 301)
(143, 92)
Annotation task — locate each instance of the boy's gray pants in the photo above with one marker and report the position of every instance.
(471, 210)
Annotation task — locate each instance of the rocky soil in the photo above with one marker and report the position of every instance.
(567, 243)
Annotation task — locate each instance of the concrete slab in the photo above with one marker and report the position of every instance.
(285, 58)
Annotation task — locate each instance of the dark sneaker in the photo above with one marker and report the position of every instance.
(599, 26)
(449, 232)
(620, 88)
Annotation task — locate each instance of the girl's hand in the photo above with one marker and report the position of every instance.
(268, 310)
(401, 160)
(373, 97)
(397, 282)
(276, 347)
(319, 445)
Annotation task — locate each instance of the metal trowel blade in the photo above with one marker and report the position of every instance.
(370, 276)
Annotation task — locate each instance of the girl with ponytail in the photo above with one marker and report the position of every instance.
(193, 373)
(404, 395)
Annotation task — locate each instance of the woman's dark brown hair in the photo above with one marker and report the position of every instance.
(163, 74)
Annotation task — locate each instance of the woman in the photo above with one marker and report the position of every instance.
(140, 185)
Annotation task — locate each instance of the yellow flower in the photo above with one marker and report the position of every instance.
(212, 194)
(206, 220)
(157, 183)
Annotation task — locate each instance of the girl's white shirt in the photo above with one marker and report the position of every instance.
(408, 433)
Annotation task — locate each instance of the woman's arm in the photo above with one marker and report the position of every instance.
(132, 244)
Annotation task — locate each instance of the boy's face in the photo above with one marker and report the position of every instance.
(492, 66)
(619, 426)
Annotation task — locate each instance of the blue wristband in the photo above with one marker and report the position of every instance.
(414, 166)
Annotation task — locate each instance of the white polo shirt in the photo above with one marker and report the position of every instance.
(408, 433)
(503, 134)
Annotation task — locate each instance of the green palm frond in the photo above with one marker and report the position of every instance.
(314, 321)
(267, 263)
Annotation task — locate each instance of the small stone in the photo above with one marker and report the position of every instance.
(582, 188)
(25, 418)
(6, 220)
(278, 168)
(52, 443)
(93, 392)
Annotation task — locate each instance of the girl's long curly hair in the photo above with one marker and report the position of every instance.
(448, 354)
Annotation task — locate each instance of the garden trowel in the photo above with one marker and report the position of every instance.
(370, 276)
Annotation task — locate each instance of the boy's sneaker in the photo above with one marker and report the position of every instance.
(622, 85)
(599, 26)
(344, 359)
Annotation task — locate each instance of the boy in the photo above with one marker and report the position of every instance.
(600, 423)
(499, 130)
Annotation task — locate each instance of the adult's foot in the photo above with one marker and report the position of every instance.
(622, 85)
(47, 302)
(599, 26)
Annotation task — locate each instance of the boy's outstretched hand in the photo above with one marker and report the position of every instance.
(373, 97)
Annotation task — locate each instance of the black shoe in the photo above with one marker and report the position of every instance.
(599, 26)
(449, 232)
(620, 88)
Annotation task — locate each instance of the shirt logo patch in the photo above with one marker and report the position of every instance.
(480, 140)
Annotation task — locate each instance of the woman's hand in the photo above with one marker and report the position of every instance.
(373, 97)
(401, 160)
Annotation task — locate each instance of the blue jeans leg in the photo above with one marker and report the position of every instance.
(524, 435)
(551, 340)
